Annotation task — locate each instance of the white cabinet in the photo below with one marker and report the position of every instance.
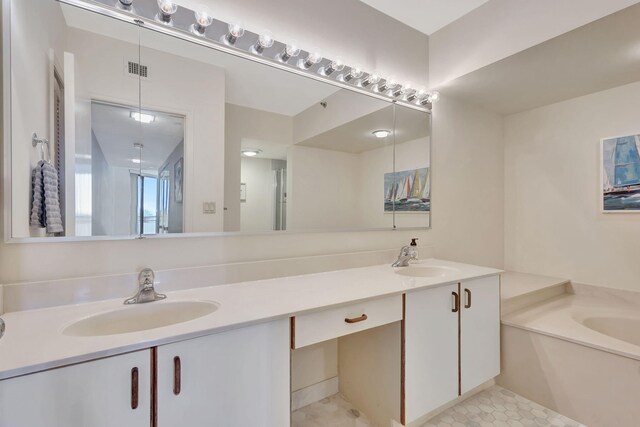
(237, 378)
(431, 350)
(452, 342)
(480, 332)
(100, 393)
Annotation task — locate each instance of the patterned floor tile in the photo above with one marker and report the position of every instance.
(498, 407)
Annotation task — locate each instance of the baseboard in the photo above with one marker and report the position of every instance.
(314, 393)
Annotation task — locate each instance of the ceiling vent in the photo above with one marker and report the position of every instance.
(135, 69)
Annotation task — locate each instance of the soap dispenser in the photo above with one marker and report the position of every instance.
(414, 249)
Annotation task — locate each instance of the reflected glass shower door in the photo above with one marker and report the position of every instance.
(280, 202)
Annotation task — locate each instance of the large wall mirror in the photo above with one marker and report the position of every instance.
(148, 134)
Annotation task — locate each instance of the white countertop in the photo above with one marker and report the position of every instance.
(33, 340)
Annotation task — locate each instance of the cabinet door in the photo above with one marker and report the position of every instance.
(431, 350)
(237, 378)
(96, 394)
(480, 326)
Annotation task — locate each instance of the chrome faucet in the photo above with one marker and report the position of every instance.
(146, 291)
(407, 253)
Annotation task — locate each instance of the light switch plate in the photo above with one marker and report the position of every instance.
(209, 208)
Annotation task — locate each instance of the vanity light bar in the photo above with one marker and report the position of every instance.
(198, 27)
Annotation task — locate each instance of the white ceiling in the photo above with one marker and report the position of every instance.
(116, 132)
(598, 56)
(427, 16)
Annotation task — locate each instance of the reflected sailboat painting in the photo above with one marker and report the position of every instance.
(621, 174)
(407, 191)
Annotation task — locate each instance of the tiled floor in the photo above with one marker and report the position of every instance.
(499, 407)
(495, 406)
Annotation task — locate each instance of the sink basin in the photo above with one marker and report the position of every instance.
(140, 317)
(416, 270)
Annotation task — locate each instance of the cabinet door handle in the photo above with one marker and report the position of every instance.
(456, 302)
(467, 293)
(177, 368)
(134, 388)
(356, 319)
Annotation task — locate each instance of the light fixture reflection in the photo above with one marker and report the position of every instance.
(335, 65)
(265, 41)
(250, 152)
(312, 59)
(371, 79)
(142, 117)
(381, 133)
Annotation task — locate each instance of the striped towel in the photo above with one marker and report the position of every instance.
(45, 206)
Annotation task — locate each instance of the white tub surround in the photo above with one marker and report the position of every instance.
(520, 290)
(577, 353)
(34, 340)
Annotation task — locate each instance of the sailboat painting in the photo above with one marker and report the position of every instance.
(621, 174)
(407, 191)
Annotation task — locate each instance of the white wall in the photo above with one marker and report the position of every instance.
(37, 29)
(553, 223)
(501, 28)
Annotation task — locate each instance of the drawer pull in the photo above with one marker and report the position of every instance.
(456, 302)
(134, 388)
(356, 319)
(177, 374)
(467, 293)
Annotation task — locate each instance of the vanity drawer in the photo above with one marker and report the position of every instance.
(332, 323)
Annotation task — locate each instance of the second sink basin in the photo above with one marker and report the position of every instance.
(417, 270)
(140, 317)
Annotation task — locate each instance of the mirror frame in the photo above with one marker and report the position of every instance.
(96, 7)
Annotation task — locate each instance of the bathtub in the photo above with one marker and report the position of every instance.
(579, 354)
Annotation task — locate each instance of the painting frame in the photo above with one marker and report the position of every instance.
(614, 196)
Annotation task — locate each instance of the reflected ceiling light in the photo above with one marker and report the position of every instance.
(136, 161)
(388, 84)
(312, 58)
(236, 30)
(381, 133)
(250, 152)
(265, 41)
(203, 20)
(371, 79)
(336, 65)
(291, 50)
(142, 117)
(167, 8)
(355, 72)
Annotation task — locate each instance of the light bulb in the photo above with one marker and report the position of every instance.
(167, 8)
(236, 30)
(313, 58)
(434, 96)
(354, 73)
(389, 83)
(336, 65)
(290, 51)
(126, 3)
(418, 94)
(371, 79)
(203, 20)
(265, 41)
(403, 89)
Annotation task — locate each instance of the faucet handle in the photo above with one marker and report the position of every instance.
(146, 277)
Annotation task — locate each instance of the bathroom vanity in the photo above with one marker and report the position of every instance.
(412, 339)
